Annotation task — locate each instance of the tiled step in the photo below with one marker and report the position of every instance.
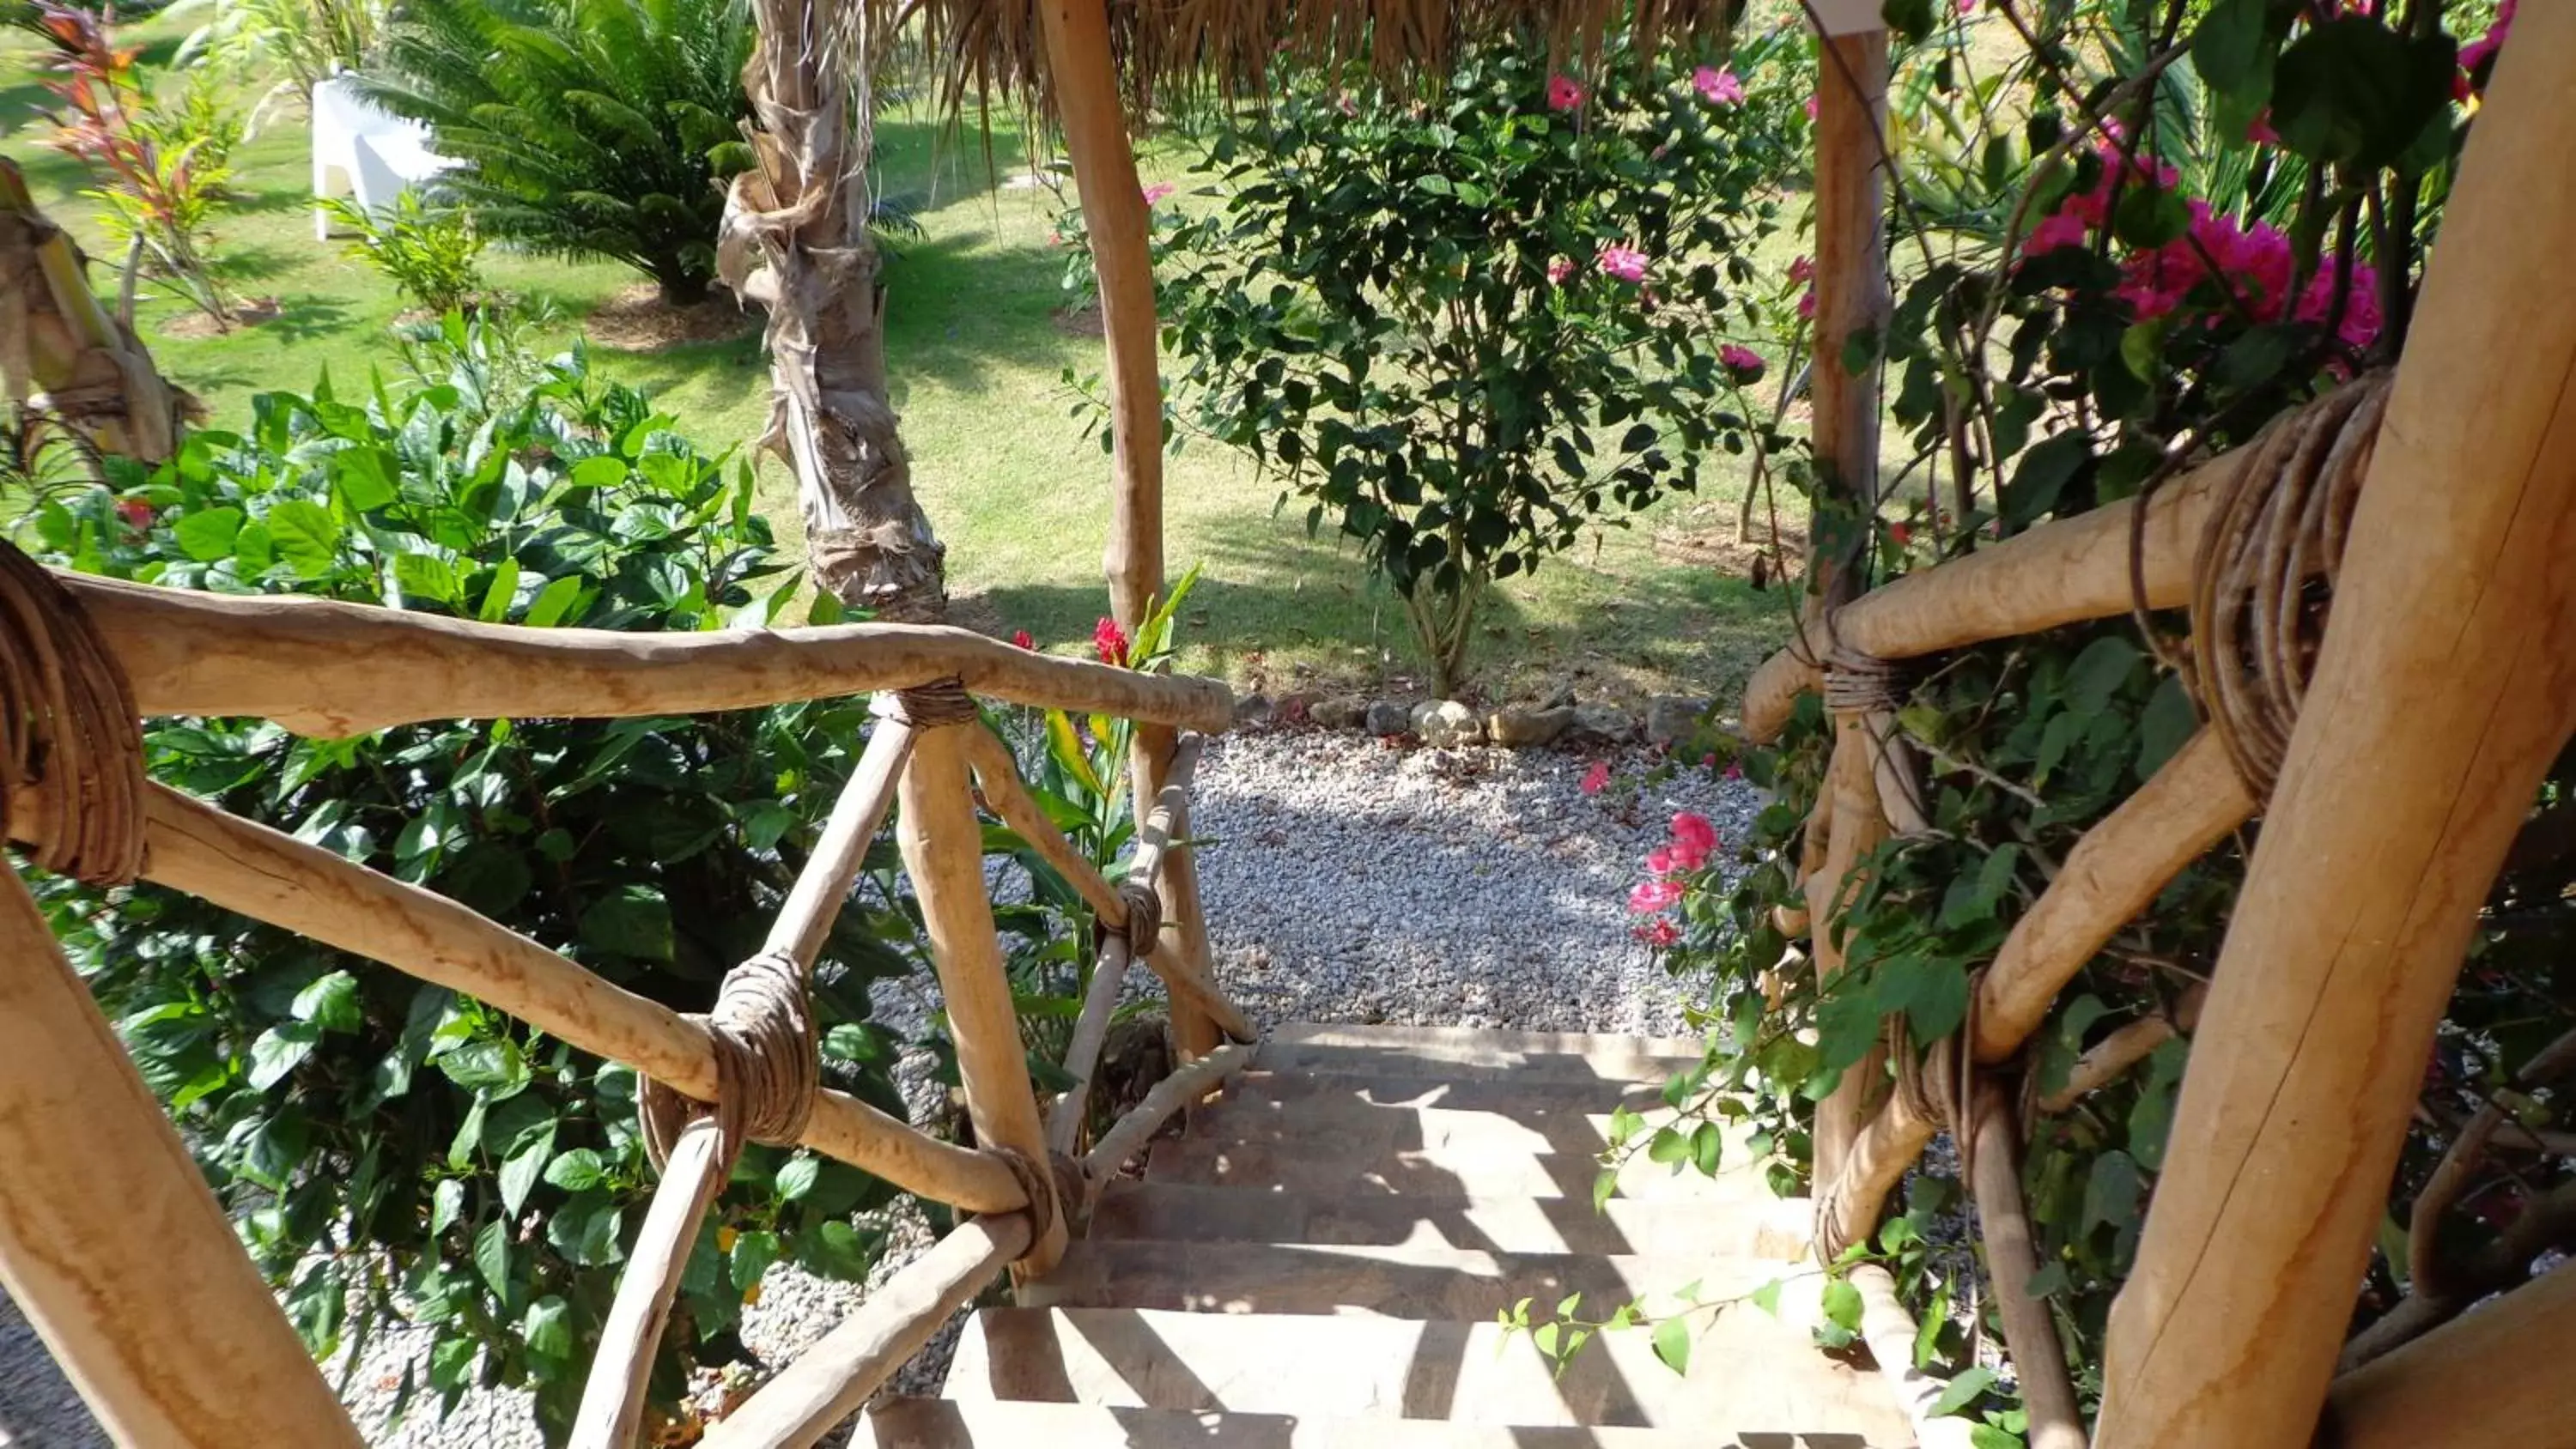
(1749, 1373)
(997, 1424)
(1504, 1094)
(1768, 1228)
(1322, 1162)
(1470, 1054)
(1407, 1282)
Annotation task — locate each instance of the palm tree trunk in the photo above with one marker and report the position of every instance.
(796, 239)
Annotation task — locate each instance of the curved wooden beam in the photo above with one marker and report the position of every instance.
(2062, 572)
(1181, 1088)
(2492, 1377)
(320, 667)
(2120, 865)
(833, 1379)
(273, 877)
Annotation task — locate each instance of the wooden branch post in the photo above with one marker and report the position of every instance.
(113, 1245)
(1857, 827)
(2497, 1376)
(1851, 292)
(2441, 693)
(1114, 213)
(943, 852)
(2039, 1359)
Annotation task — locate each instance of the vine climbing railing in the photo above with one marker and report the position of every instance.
(121, 1255)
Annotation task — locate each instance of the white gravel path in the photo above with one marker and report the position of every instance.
(1346, 880)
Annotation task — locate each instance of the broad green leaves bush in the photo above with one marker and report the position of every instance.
(1466, 325)
(385, 1145)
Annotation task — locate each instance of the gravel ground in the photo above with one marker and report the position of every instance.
(1345, 880)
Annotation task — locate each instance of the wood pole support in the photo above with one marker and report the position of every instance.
(1190, 1084)
(1857, 829)
(943, 852)
(2495, 1376)
(2441, 693)
(1082, 1053)
(112, 1243)
(2108, 1059)
(1007, 796)
(2114, 872)
(1851, 282)
(612, 1398)
(2039, 1359)
(833, 1380)
(273, 877)
(1889, 1331)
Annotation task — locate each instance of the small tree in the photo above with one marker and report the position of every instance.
(1463, 326)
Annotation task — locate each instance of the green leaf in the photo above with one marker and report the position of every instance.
(1767, 1297)
(330, 1003)
(279, 1050)
(797, 1178)
(835, 1250)
(1987, 1436)
(584, 1230)
(576, 1170)
(426, 576)
(1668, 1147)
(2352, 92)
(493, 1066)
(208, 536)
(365, 477)
(2098, 673)
(1067, 748)
(499, 594)
(492, 1257)
(524, 1166)
(2111, 1191)
(1673, 1343)
(1911, 19)
(2050, 1279)
(2151, 1120)
(753, 1252)
(1963, 1390)
(446, 1203)
(1707, 1144)
(2234, 52)
(1842, 1305)
(2042, 477)
(634, 921)
(548, 1329)
(2167, 723)
(607, 470)
(552, 602)
(306, 536)
(1604, 1184)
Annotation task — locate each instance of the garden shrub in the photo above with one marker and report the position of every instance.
(1464, 326)
(388, 1146)
(430, 254)
(591, 128)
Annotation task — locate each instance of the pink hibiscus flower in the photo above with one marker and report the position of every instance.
(1563, 94)
(1158, 191)
(1626, 263)
(1718, 87)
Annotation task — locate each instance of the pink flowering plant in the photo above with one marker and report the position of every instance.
(1466, 325)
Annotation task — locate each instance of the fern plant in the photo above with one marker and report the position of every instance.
(590, 128)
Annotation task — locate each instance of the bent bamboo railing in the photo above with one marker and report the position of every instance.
(185, 1346)
(2443, 688)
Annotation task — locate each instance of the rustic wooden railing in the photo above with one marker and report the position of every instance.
(2442, 689)
(182, 1343)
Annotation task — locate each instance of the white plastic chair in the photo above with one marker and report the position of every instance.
(364, 152)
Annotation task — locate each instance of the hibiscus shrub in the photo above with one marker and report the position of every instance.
(391, 1149)
(1465, 326)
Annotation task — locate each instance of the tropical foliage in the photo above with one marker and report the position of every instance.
(429, 252)
(591, 128)
(390, 1148)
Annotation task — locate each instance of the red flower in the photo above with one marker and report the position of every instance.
(136, 513)
(1658, 932)
(1023, 640)
(1651, 896)
(1693, 832)
(1563, 94)
(1109, 641)
(1596, 779)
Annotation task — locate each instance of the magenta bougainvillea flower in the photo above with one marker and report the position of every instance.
(1718, 87)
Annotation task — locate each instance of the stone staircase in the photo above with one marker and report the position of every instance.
(1318, 1263)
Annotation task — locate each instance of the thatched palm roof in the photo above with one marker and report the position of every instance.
(994, 47)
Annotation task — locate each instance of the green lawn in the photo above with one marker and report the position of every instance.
(1016, 491)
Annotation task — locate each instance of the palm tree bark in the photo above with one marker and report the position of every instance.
(64, 353)
(796, 240)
